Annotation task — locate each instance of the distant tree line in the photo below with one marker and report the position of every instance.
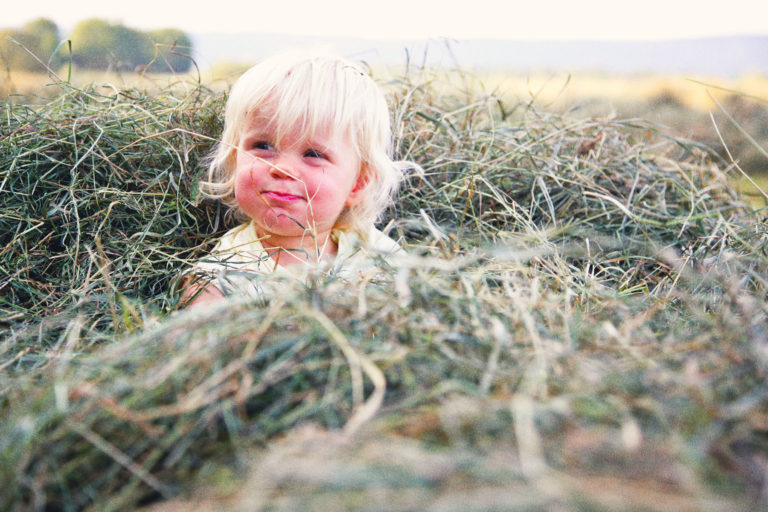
(39, 38)
(96, 44)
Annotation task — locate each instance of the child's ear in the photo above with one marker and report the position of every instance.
(356, 194)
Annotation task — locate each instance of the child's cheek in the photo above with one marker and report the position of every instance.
(245, 192)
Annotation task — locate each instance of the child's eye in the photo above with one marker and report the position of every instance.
(263, 146)
(313, 153)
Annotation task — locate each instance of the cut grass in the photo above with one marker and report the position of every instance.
(582, 308)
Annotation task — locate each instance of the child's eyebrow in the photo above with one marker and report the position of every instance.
(256, 133)
(318, 144)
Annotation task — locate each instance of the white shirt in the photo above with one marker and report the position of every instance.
(239, 255)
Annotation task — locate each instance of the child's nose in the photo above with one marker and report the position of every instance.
(282, 168)
(277, 172)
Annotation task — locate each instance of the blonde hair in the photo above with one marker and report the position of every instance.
(308, 92)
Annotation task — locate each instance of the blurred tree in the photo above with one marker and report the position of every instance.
(92, 44)
(173, 50)
(97, 44)
(47, 34)
(39, 37)
(8, 47)
(132, 47)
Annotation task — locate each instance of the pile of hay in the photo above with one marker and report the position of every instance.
(581, 323)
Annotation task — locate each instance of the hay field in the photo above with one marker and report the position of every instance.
(715, 111)
(581, 322)
(722, 113)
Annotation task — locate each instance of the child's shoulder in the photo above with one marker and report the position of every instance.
(380, 242)
(239, 236)
(372, 240)
(359, 256)
(238, 249)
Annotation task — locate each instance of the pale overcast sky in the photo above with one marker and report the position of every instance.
(400, 19)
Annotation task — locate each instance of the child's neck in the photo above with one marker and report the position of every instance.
(287, 251)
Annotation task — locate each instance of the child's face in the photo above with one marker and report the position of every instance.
(292, 188)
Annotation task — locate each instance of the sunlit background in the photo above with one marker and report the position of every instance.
(404, 19)
(239, 30)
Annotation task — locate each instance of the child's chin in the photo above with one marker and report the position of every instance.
(282, 226)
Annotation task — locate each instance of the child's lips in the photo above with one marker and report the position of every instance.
(281, 197)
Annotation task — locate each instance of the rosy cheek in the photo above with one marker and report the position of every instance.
(244, 179)
(238, 185)
(243, 188)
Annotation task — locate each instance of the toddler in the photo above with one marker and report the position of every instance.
(305, 162)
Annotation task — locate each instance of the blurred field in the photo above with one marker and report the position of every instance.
(594, 93)
(722, 114)
(26, 86)
(564, 90)
(692, 107)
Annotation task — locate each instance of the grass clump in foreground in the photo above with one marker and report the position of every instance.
(581, 323)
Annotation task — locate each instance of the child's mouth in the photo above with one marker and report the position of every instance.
(281, 197)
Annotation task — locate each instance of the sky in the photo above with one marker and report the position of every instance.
(404, 19)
